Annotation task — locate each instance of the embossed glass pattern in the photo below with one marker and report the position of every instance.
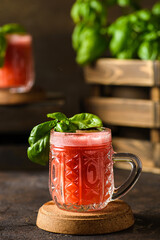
(81, 170)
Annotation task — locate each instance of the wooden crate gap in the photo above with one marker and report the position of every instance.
(130, 132)
(125, 92)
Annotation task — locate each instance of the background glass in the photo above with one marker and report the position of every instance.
(17, 73)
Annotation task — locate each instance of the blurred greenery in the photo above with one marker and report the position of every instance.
(134, 35)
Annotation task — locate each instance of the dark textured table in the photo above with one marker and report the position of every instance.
(22, 193)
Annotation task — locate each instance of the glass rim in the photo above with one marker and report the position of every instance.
(104, 130)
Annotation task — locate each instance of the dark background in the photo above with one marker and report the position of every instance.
(50, 24)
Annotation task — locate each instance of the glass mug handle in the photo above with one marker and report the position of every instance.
(136, 169)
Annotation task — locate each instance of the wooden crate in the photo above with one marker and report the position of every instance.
(130, 107)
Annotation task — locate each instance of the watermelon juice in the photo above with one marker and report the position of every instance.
(81, 170)
(17, 72)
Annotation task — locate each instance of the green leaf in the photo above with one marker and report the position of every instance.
(150, 36)
(156, 9)
(39, 142)
(124, 3)
(76, 36)
(3, 47)
(92, 44)
(148, 50)
(12, 28)
(39, 138)
(75, 12)
(39, 151)
(86, 120)
(118, 41)
(120, 32)
(129, 3)
(61, 127)
(89, 12)
(133, 18)
(57, 115)
(144, 14)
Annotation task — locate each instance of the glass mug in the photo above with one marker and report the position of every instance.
(81, 170)
(17, 73)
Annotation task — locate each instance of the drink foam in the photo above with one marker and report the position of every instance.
(19, 39)
(59, 139)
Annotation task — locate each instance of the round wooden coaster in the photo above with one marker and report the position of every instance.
(34, 95)
(115, 217)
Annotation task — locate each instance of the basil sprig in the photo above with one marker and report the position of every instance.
(38, 151)
(135, 34)
(8, 29)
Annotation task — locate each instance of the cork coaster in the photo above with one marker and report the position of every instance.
(115, 217)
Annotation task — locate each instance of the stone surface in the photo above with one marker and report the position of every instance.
(22, 193)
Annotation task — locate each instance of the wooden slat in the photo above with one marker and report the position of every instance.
(145, 150)
(34, 95)
(155, 94)
(155, 97)
(123, 72)
(155, 135)
(157, 73)
(157, 114)
(123, 112)
(156, 154)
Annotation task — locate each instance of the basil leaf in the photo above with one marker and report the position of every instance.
(144, 14)
(57, 115)
(156, 9)
(89, 12)
(91, 44)
(148, 50)
(123, 3)
(38, 151)
(72, 127)
(39, 138)
(75, 12)
(86, 120)
(120, 31)
(76, 42)
(150, 36)
(65, 126)
(3, 47)
(12, 28)
(61, 127)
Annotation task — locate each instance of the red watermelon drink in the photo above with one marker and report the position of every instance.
(81, 160)
(81, 170)
(17, 73)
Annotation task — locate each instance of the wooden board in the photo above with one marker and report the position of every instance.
(110, 71)
(125, 112)
(7, 98)
(148, 152)
(115, 217)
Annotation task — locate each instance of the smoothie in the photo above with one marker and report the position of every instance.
(17, 71)
(81, 169)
